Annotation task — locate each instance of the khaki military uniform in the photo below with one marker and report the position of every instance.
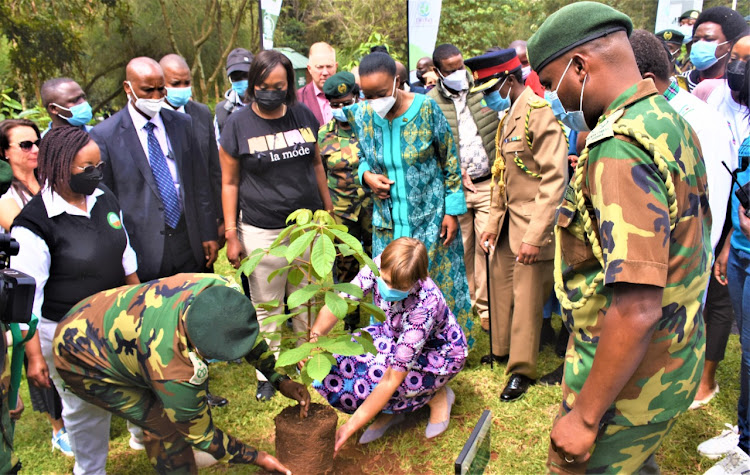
(530, 180)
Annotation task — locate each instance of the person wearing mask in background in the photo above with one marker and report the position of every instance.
(403, 76)
(154, 167)
(420, 85)
(530, 78)
(528, 179)
(339, 151)
(321, 65)
(238, 65)
(73, 243)
(179, 83)
(271, 166)
(66, 104)
(715, 141)
(714, 33)
(633, 249)
(672, 41)
(689, 17)
(474, 127)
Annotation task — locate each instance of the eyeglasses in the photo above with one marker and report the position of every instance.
(27, 144)
(339, 105)
(90, 168)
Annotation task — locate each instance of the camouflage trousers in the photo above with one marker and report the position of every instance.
(618, 449)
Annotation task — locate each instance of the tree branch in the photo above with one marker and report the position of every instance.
(232, 40)
(102, 73)
(168, 24)
(107, 99)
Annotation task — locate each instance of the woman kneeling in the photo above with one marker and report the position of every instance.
(420, 347)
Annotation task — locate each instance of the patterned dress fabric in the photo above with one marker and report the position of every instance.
(417, 151)
(419, 336)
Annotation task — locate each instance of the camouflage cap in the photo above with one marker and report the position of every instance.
(339, 85)
(221, 323)
(570, 27)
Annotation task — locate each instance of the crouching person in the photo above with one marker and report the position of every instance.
(138, 351)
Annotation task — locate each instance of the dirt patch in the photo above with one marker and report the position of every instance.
(306, 445)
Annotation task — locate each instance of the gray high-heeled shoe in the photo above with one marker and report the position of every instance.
(373, 434)
(434, 430)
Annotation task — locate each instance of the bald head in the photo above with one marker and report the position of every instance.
(322, 63)
(144, 79)
(402, 73)
(176, 71)
(520, 47)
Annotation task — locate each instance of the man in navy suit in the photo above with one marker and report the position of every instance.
(154, 166)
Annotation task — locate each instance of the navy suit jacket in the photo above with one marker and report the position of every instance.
(205, 135)
(129, 176)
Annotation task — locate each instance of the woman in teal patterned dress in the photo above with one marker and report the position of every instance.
(408, 158)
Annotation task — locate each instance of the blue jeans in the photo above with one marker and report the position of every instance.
(738, 274)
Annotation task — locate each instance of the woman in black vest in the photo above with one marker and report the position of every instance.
(73, 243)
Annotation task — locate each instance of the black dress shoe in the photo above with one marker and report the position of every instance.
(516, 387)
(486, 359)
(554, 377)
(216, 401)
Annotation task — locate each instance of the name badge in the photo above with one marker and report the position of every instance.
(200, 370)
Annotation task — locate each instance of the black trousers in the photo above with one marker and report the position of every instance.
(178, 255)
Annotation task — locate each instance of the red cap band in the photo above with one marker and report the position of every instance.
(491, 71)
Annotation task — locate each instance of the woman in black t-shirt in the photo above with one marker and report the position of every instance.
(270, 166)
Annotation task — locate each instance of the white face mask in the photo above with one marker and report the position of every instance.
(150, 107)
(456, 80)
(525, 71)
(383, 105)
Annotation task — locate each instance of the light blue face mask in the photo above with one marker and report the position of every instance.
(339, 115)
(179, 96)
(687, 32)
(80, 114)
(703, 54)
(240, 87)
(495, 101)
(389, 294)
(575, 119)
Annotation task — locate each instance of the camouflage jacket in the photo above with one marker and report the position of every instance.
(340, 155)
(627, 200)
(135, 336)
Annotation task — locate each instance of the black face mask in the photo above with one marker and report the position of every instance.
(85, 182)
(270, 99)
(736, 74)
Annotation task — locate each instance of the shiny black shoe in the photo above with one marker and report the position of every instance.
(516, 387)
(554, 377)
(265, 391)
(216, 401)
(486, 359)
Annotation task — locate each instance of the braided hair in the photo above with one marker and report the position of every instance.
(57, 151)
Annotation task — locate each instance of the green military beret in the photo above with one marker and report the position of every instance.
(339, 85)
(690, 14)
(572, 26)
(221, 323)
(671, 36)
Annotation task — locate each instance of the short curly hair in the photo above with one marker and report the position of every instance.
(650, 54)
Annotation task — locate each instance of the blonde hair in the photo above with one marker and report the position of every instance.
(406, 260)
(321, 50)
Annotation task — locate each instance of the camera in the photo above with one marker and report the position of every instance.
(16, 288)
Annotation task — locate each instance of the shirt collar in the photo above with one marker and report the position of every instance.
(56, 205)
(139, 121)
(633, 94)
(672, 90)
(318, 92)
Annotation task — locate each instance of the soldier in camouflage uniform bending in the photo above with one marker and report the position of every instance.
(633, 256)
(137, 351)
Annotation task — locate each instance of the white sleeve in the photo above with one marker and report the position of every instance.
(33, 259)
(129, 259)
(216, 129)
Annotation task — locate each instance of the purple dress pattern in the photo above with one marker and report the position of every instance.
(420, 336)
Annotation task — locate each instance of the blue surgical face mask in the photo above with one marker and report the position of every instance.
(495, 101)
(703, 54)
(389, 294)
(240, 87)
(179, 96)
(80, 114)
(575, 119)
(339, 115)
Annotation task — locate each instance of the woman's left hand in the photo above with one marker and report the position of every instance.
(342, 435)
(449, 229)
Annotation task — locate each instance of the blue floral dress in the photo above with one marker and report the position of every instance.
(419, 336)
(417, 151)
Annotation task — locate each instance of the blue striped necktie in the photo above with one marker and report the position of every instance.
(163, 178)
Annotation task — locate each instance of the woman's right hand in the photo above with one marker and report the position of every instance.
(270, 464)
(379, 184)
(234, 251)
(38, 372)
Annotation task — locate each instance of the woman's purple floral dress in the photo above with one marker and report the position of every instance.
(420, 335)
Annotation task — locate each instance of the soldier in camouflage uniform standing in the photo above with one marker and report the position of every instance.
(137, 351)
(352, 205)
(633, 248)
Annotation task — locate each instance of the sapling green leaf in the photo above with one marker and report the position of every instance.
(349, 288)
(318, 367)
(336, 304)
(323, 255)
(302, 295)
(299, 246)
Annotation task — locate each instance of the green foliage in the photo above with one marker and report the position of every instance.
(12, 109)
(315, 241)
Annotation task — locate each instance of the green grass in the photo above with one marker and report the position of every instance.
(520, 430)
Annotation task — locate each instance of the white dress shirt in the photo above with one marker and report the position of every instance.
(161, 136)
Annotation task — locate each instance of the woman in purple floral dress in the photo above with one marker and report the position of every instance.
(421, 347)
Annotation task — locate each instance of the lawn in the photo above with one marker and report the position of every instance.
(520, 430)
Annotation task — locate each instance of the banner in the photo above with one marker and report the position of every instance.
(270, 9)
(424, 21)
(668, 12)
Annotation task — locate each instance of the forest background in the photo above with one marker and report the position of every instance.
(92, 40)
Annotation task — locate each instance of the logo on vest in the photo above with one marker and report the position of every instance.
(114, 220)
(200, 370)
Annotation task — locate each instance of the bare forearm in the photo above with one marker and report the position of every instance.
(325, 322)
(378, 398)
